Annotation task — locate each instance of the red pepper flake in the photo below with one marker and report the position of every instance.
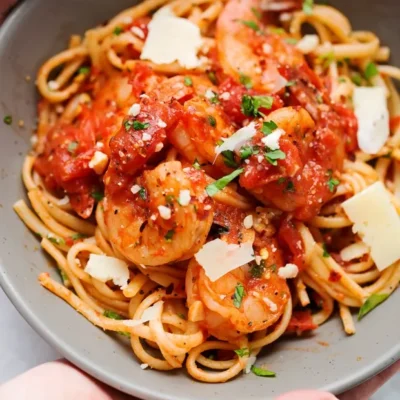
(334, 276)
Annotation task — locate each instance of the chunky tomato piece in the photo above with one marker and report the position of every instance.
(290, 238)
(300, 322)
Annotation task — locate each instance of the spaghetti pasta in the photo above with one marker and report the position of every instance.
(126, 166)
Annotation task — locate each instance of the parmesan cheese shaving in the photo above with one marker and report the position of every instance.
(308, 43)
(370, 108)
(237, 140)
(377, 223)
(172, 39)
(218, 257)
(272, 140)
(250, 362)
(104, 269)
(149, 314)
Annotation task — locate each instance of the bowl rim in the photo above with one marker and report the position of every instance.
(96, 371)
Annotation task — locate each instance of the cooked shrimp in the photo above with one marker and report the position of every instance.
(245, 300)
(240, 46)
(163, 216)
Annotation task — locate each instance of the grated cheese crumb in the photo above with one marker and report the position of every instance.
(165, 212)
(134, 110)
(288, 271)
(248, 222)
(184, 197)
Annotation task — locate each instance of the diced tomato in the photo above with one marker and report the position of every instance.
(300, 322)
(232, 104)
(334, 276)
(394, 123)
(289, 237)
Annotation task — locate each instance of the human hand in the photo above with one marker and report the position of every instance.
(59, 380)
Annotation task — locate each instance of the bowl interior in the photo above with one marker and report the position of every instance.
(327, 360)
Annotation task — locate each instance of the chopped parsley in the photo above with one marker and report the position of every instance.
(252, 104)
(212, 77)
(142, 193)
(262, 372)
(114, 315)
(342, 79)
(244, 352)
(332, 182)
(246, 81)
(251, 24)
(181, 316)
(55, 240)
(268, 127)
(8, 119)
(291, 40)
(281, 181)
(214, 99)
(274, 155)
(247, 151)
(373, 301)
(64, 277)
(238, 295)
(256, 271)
(139, 126)
(98, 196)
(118, 30)
(256, 12)
(370, 71)
(356, 79)
(290, 83)
(290, 187)
(196, 164)
(78, 236)
(218, 185)
(169, 235)
(72, 146)
(278, 31)
(327, 59)
(308, 6)
(212, 121)
(84, 70)
(169, 199)
(325, 253)
(229, 159)
(188, 81)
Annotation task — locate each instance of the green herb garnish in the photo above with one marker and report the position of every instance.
(308, 6)
(274, 155)
(114, 315)
(54, 240)
(278, 31)
(325, 253)
(290, 83)
(327, 59)
(268, 127)
(78, 236)
(256, 271)
(196, 164)
(370, 71)
(138, 126)
(247, 151)
(332, 183)
(290, 187)
(229, 159)
(98, 196)
(72, 146)
(238, 295)
(212, 77)
(218, 185)
(262, 372)
(256, 12)
(118, 30)
(84, 70)
(244, 352)
(181, 316)
(373, 301)
(246, 81)
(142, 193)
(356, 79)
(8, 119)
(212, 121)
(188, 81)
(251, 24)
(252, 104)
(169, 235)
(291, 40)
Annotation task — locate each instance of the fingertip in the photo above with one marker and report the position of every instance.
(307, 395)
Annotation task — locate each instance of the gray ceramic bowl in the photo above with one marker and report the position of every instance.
(37, 30)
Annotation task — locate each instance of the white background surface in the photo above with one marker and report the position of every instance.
(21, 348)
